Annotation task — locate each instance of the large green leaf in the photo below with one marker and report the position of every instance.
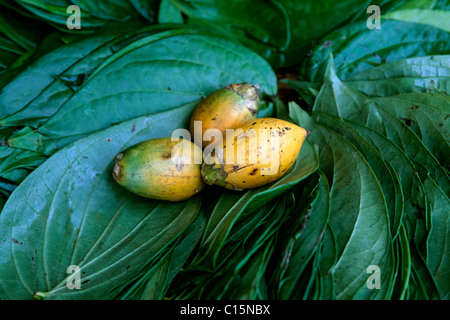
(152, 74)
(411, 187)
(337, 98)
(169, 13)
(358, 48)
(70, 211)
(13, 159)
(148, 9)
(404, 76)
(93, 14)
(427, 115)
(358, 214)
(384, 170)
(280, 31)
(403, 265)
(305, 241)
(438, 259)
(153, 282)
(437, 18)
(265, 30)
(30, 94)
(55, 13)
(26, 33)
(37, 93)
(47, 44)
(108, 9)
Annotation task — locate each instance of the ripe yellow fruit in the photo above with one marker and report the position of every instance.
(227, 108)
(261, 152)
(160, 169)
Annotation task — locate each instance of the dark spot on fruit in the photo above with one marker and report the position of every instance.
(287, 128)
(118, 172)
(117, 158)
(166, 155)
(213, 118)
(253, 172)
(253, 123)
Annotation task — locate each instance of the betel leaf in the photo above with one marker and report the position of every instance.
(411, 185)
(71, 212)
(326, 258)
(255, 232)
(438, 259)
(310, 20)
(437, 18)
(244, 276)
(18, 38)
(37, 93)
(358, 214)
(37, 85)
(147, 9)
(422, 285)
(403, 265)
(384, 171)
(414, 148)
(93, 14)
(404, 76)
(427, 115)
(13, 159)
(27, 33)
(153, 281)
(155, 73)
(280, 31)
(305, 242)
(55, 13)
(357, 48)
(169, 13)
(48, 43)
(340, 99)
(262, 26)
(108, 9)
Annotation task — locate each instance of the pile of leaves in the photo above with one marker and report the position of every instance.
(362, 214)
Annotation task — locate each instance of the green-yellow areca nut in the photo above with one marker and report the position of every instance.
(227, 108)
(160, 169)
